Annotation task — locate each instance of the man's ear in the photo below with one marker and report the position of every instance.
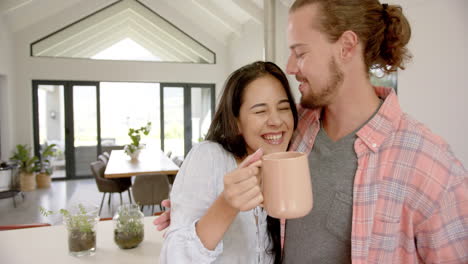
(348, 44)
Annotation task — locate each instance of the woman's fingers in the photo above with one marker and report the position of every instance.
(241, 186)
(240, 197)
(242, 174)
(257, 155)
(252, 203)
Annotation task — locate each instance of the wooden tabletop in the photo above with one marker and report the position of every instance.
(50, 245)
(150, 161)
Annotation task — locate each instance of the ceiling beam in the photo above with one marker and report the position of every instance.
(220, 15)
(251, 9)
(7, 6)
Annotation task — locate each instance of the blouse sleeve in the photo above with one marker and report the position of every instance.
(194, 191)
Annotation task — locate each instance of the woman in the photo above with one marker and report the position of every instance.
(215, 216)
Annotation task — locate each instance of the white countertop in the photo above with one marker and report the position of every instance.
(50, 245)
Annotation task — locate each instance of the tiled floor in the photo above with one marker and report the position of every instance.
(61, 194)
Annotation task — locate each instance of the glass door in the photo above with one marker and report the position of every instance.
(127, 105)
(50, 122)
(66, 114)
(186, 114)
(84, 128)
(86, 118)
(173, 128)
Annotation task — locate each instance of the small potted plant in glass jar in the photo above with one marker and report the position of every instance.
(128, 226)
(80, 221)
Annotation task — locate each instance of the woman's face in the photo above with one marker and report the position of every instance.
(265, 117)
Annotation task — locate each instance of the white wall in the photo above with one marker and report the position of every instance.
(282, 50)
(6, 86)
(28, 68)
(248, 47)
(434, 87)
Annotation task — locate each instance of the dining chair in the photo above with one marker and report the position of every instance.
(12, 227)
(103, 159)
(109, 185)
(106, 154)
(149, 190)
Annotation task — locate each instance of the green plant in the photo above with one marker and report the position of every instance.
(80, 226)
(129, 231)
(22, 155)
(135, 136)
(45, 164)
(127, 225)
(81, 221)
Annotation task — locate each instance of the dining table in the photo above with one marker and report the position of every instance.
(150, 161)
(50, 245)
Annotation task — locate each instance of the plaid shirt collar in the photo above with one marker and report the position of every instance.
(372, 134)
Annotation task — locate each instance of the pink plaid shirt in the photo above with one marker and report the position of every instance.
(410, 196)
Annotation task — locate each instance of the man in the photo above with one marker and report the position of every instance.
(385, 188)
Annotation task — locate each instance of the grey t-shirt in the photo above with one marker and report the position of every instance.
(324, 235)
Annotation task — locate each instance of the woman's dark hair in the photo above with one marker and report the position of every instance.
(224, 130)
(382, 28)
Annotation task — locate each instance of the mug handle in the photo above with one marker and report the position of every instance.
(261, 186)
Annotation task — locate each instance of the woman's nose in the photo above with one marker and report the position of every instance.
(274, 119)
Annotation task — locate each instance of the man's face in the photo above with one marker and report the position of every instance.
(312, 59)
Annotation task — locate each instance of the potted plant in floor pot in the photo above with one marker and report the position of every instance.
(28, 167)
(133, 149)
(45, 166)
(128, 226)
(80, 221)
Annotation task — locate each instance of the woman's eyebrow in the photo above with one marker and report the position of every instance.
(257, 105)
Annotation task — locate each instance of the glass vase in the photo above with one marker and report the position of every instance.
(128, 226)
(80, 221)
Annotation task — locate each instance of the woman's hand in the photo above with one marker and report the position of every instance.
(241, 186)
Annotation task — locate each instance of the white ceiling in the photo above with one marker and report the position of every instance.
(220, 18)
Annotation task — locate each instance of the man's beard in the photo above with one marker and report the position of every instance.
(323, 98)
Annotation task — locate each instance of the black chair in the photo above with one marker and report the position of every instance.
(109, 185)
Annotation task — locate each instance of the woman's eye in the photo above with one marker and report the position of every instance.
(285, 108)
(259, 112)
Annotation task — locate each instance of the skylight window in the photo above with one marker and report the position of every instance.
(125, 30)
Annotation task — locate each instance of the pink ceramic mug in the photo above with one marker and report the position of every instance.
(286, 185)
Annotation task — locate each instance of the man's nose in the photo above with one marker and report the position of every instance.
(291, 67)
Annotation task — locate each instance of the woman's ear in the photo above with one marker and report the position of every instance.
(239, 127)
